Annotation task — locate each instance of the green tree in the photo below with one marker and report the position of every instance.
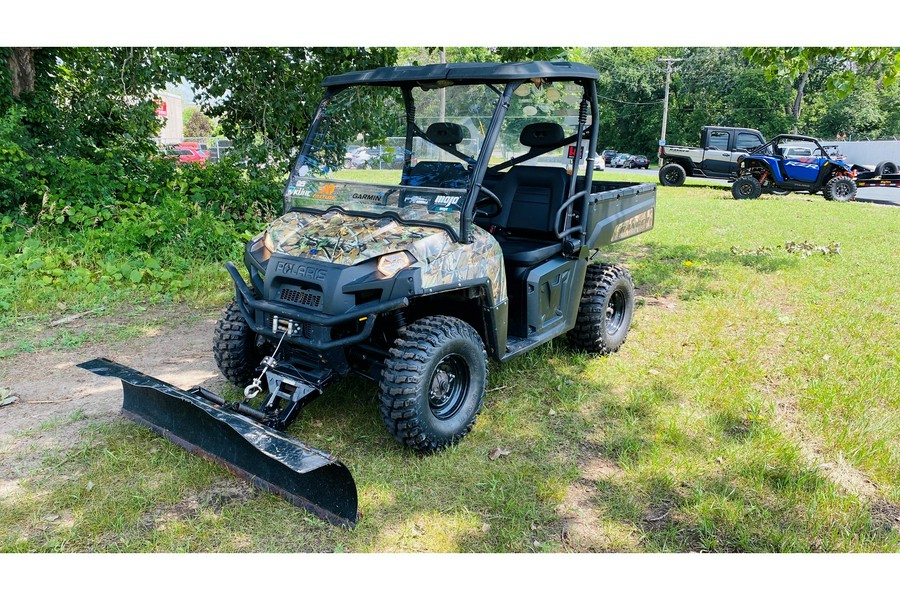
(197, 124)
(265, 98)
(795, 65)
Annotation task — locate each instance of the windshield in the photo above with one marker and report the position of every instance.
(360, 159)
(546, 104)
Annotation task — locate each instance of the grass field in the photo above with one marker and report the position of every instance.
(754, 408)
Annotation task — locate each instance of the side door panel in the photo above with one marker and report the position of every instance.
(717, 157)
(802, 169)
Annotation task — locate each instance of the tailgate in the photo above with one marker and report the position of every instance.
(619, 210)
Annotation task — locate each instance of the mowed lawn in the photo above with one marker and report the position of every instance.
(754, 408)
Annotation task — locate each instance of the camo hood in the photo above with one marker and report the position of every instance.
(343, 239)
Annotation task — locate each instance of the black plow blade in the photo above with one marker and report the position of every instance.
(198, 421)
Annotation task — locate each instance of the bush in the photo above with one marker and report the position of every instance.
(116, 218)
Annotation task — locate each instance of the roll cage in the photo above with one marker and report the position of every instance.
(772, 147)
(503, 79)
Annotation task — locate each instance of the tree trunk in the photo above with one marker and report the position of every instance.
(798, 101)
(21, 68)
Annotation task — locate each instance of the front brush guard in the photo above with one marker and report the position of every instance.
(200, 422)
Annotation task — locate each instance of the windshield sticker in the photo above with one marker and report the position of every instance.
(371, 197)
(326, 192)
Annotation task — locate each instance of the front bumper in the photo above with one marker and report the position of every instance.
(259, 316)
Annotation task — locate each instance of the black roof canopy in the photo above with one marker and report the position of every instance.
(464, 73)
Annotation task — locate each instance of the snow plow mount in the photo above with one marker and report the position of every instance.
(231, 435)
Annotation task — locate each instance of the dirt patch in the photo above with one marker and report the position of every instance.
(658, 515)
(583, 526)
(213, 499)
(886, 515)
(57, 399)
(643, 296)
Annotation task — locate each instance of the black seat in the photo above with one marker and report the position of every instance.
(531, 196)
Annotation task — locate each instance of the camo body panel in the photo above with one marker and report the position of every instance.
(342, 239)
(445, 262)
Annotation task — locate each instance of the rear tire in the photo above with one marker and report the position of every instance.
(886, 167)
(840, 189)
(605, 311)
(746, 188)
(432, 387)
(672, 174)
(234, 346)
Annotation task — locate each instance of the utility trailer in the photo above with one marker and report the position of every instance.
(873, 179)
(413, 280)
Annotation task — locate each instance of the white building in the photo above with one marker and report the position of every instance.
(170, 110)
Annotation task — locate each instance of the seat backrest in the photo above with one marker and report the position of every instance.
(532, 195)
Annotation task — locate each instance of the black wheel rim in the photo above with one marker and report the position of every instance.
(671, 176)
(842, 189)
(615, 312)
(449, 386)
(746, 189)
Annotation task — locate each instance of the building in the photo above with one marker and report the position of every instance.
(170, 110)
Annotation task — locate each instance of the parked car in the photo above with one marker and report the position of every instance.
(599, 162)
(187, 152)
(608, 156)
(619, 161)
(637, 162)
(385, 157)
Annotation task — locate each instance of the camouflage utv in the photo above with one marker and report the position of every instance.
(481, 245)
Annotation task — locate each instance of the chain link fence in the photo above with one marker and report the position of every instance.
(213, 148)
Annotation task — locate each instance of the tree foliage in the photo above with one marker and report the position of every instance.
(789, 63)
(197, 124)
(265, 98)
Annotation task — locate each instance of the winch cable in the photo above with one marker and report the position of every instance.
(253, 390)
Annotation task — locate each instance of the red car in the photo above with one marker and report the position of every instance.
(187, 153)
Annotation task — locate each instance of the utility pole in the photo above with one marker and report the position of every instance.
(669, 70)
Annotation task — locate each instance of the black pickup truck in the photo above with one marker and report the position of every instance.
(717, 157)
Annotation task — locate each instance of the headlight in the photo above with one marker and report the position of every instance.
(262, 247)
(389, 264)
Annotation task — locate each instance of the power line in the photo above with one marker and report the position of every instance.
(627, 102)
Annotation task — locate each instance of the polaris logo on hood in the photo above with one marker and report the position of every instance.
(302, 271)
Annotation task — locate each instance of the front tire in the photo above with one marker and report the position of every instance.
(840, 189)
(746, 187)
(672, 174)
(433, 384)
(234, 346)
(605, 311)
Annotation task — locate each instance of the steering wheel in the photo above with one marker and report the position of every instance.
(488, 200)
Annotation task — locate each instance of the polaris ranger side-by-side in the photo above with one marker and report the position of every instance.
(481, 246)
